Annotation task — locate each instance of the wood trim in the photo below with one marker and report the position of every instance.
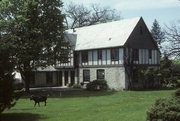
(106, 56)
(92, 57)
(99, 48)
(100, 66)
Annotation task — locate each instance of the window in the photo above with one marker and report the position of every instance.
(150, 54)
(115, 54)
(85, 56)
(49, 77)
(100, 74)
(86, 75)
(135, 54)
(99, 54)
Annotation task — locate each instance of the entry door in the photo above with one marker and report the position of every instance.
(72, 77)
(66, 77)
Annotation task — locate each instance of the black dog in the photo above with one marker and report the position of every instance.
(38, 99)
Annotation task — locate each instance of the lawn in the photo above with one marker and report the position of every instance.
(88, 106)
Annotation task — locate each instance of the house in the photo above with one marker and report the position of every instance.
(103, 51)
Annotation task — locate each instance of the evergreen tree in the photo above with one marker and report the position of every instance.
(35, 27)
(157, 34)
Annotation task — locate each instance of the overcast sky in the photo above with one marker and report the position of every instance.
(165, 11)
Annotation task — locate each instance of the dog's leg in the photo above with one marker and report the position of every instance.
(44, 103)
(39, 104)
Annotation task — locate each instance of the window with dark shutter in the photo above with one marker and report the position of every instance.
(114, 54)
(150, 54)
(86, 75)
(99, 54)
(100, 74)
(85, 56)
(135, 54)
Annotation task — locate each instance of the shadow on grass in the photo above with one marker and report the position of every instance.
(21, 117)
(70, 93)
(156, 89)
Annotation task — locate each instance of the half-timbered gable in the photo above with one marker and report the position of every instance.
(104, 51)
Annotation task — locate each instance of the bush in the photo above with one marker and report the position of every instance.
(166, 109)
(97, 85)
(177, 93)
(77, 86)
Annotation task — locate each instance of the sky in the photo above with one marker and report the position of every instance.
(164, 11)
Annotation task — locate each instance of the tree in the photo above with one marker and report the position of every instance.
(80, 15)
(157, 34)
(35, 27)
(7, 99)
(173, 39)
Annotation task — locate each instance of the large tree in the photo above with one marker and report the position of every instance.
(78, 15)
(173, 38)
(157, 34)
(35, 27)
(7, 98)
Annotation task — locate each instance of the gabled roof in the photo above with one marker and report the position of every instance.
(105, 35)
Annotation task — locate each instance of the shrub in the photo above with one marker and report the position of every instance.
(165, 109)
(97, 85)
(177, 93)
(77, 86)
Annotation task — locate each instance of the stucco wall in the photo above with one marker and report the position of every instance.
(40, 79)
(115, 76)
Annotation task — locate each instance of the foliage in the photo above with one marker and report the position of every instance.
(157, 33)
(97, 85)
(168, 75)
(165, 109)
(35, 29)
(79, 15)
(77, 86)
(7, 99)
(173, 39)
(177, 93)
(148, 77)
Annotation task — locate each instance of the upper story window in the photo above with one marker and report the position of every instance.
(141, 30)
(115, 54)
(100, 74)
(49, 77)
(99, 54)
(135, 54)
(150, 54)
(86, 75)
(84, 56)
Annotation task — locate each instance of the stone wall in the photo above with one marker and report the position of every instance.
(115, 76)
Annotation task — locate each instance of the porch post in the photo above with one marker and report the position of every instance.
(69, 77)
(75, 76)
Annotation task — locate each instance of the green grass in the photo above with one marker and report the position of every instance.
(88, 106)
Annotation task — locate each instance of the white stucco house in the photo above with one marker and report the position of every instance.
(103, 51)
